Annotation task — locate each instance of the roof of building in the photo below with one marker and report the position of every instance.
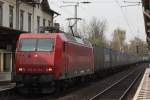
(46, 7)
(44, 4)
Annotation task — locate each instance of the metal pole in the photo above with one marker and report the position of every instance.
(76, 17)
(76, 12)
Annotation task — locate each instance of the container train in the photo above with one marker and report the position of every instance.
(47, 60)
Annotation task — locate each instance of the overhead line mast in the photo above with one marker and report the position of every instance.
(76, 19)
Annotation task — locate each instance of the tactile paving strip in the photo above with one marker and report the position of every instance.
(143, 92)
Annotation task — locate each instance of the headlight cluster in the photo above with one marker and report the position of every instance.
(49, 69)
(21, 69)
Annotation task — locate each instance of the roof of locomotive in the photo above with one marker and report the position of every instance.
(63, 36)
(75, 39)
(39, 35)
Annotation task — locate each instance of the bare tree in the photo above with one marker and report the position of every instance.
(94, 31)
(97, 27)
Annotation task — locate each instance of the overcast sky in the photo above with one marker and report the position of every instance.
(128, 18)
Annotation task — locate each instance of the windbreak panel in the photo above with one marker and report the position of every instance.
(45, 45)
(36, 45)
(28, 45)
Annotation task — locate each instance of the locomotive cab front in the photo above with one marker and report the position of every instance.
(34, 59)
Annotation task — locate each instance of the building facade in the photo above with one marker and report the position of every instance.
(19, 16)
(29, 18)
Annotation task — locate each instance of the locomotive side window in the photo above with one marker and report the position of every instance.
(27, 45)
(45, 45)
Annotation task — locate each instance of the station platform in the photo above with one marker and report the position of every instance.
(6, 86)
(143, 91)
(5, 81)
(5, 76)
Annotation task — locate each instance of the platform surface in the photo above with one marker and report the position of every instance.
(143, 91)
(5, 81)
(5, 76)
(6, 86)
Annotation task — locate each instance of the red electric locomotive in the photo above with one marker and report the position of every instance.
(47, 58)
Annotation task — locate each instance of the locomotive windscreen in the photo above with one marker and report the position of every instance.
(36, 45)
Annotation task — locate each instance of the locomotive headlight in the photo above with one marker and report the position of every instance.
(20, 69)
(50, 69)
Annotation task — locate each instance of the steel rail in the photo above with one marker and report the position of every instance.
(127, 90)
(94, 98)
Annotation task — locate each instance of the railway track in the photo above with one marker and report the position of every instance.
(6, 93)
(84, 93)
(95, 88)
(119, 89)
